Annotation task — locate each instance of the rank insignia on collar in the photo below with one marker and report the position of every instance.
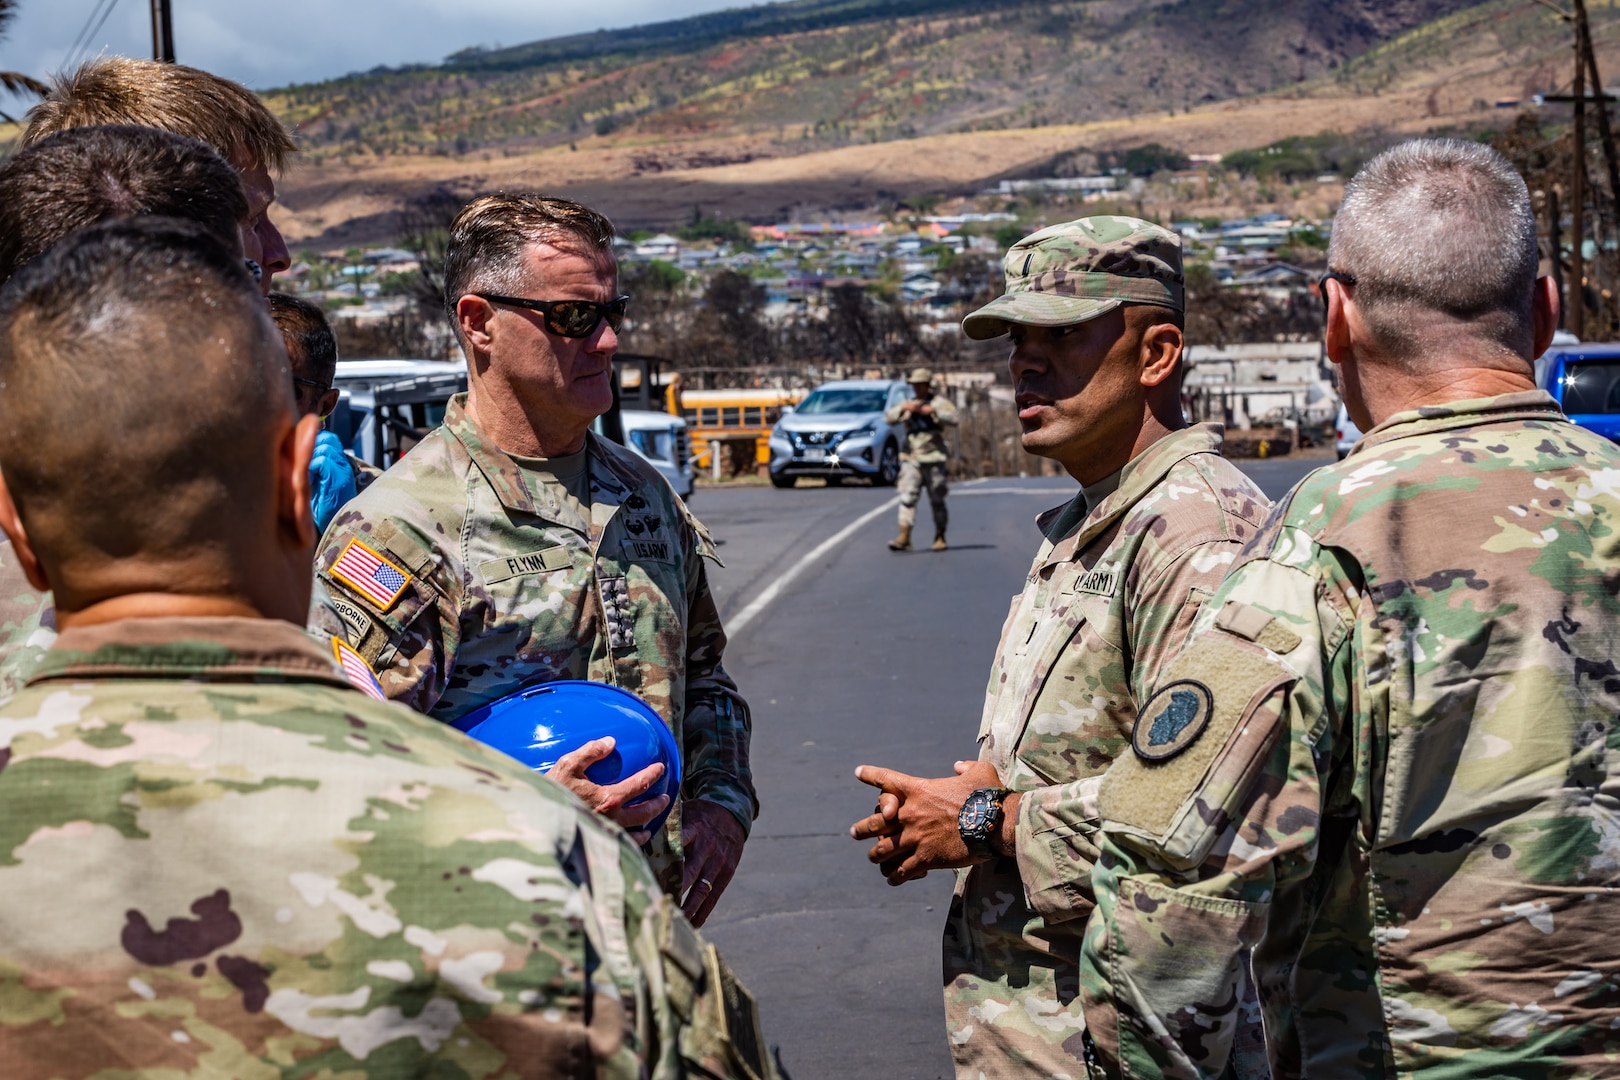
(1172, 720)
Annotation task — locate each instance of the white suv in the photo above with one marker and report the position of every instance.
(839, 432)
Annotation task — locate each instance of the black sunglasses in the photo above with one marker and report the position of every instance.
(1321, 286)
(569, 318)
(320, 388)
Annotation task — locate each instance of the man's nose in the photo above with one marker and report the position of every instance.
(604, 339)
(1023, 359)
(276, 256)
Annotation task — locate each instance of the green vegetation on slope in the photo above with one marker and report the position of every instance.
(820, 73)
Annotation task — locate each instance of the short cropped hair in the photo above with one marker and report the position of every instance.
(121, 90)
(1439, 226)
(311, 346)
(143, 387)
(488, 237)
(77, 177)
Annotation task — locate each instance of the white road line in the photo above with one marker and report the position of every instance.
(768, 595)
(748, 614)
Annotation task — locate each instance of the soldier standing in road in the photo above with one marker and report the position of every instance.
(513, 546)
(926, 462)
(219, 857)
(1388, 757)
(1095, 309)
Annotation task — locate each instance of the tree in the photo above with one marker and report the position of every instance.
(15, 81)
(424, 229)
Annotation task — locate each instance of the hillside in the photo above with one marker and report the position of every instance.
(898, 102)
(818, 73)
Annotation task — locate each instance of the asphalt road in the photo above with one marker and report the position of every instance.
(859, 656)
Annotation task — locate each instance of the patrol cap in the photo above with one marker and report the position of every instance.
(1076, 271)
(920, 375)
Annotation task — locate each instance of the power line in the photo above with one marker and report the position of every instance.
(90, 38)
(84, 31)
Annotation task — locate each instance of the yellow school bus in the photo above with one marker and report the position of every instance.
(727, 414)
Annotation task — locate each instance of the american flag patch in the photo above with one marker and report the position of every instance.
(370, 575)
(357, 671)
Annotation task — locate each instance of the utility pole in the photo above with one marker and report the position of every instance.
(1583, 32)
(162, 32)
(1577, 194)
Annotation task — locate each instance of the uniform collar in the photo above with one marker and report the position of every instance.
(216, 649)
(1524, 405)
(611, 482)
(1140, 475)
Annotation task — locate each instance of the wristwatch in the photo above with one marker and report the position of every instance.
(980, 818)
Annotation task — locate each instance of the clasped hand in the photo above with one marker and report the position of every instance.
(915, 820)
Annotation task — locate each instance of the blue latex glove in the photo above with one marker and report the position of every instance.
(331, 480)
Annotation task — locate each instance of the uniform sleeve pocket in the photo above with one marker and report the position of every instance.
(1195, 744)
(1176, 973)
(720, 1033)
(377, 594)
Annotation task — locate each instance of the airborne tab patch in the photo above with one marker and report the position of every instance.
(1172, 719)
(370, 575)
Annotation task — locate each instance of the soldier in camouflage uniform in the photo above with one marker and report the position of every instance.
(926, 461)
(1094, 308)
(1387, 758)
(54, 197)
(513, 546)
(62, 183)
(219, 858)
(312, 352)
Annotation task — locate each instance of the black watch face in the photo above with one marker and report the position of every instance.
(975, 813)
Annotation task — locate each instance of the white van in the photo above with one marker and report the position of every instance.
(661, 439)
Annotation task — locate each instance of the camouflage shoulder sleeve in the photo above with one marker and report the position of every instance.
(1215, 813)
(706, 1022)
(396, 597)
(717, 725)
(27, 623)
(1057, 825)
(944, 411)
(895, 414)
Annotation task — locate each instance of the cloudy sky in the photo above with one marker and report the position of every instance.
(272, 43)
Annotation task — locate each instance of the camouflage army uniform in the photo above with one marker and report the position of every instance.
(1109, 599)
(218, 860)
(502, 585)
(925, 463)
(27, 623)
(1389, 756)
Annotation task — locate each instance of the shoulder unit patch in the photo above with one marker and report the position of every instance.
(369, 574)
(1172, 719)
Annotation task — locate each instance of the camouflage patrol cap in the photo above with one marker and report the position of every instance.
(1081, 269)
(920, 375)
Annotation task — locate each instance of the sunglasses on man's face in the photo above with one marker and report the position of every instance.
(1321, 286)
(569, 318)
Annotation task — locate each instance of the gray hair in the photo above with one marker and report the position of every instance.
(1439, 226)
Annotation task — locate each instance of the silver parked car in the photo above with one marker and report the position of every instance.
(838, 432)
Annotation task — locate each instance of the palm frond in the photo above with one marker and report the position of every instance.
(8, 11)
(17, 82)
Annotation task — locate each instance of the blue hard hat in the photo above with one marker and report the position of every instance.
(541, 724)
